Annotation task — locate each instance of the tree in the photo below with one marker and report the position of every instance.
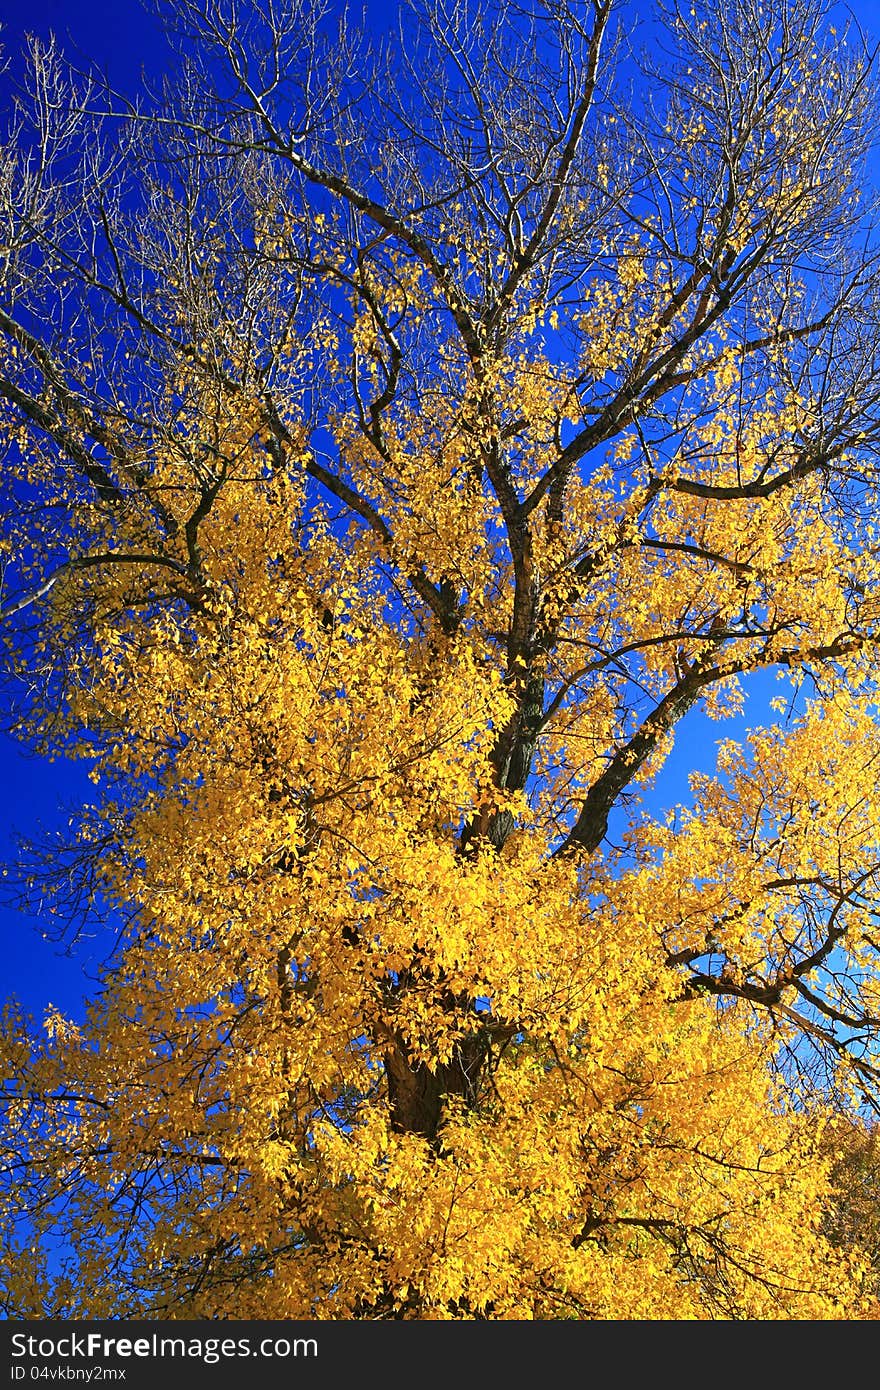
(404, 446)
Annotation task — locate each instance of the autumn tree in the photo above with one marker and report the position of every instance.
(406, 443)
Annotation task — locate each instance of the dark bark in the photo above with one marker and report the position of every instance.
(512, 759)
(417, 1093)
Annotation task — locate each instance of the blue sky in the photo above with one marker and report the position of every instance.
(122, 37)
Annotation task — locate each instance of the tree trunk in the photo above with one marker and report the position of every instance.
(417, 1093)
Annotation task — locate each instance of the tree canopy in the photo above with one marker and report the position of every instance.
(405, 443)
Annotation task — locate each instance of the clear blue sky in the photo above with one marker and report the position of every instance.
(122, 37)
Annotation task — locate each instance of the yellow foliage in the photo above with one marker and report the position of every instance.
(376, 619)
